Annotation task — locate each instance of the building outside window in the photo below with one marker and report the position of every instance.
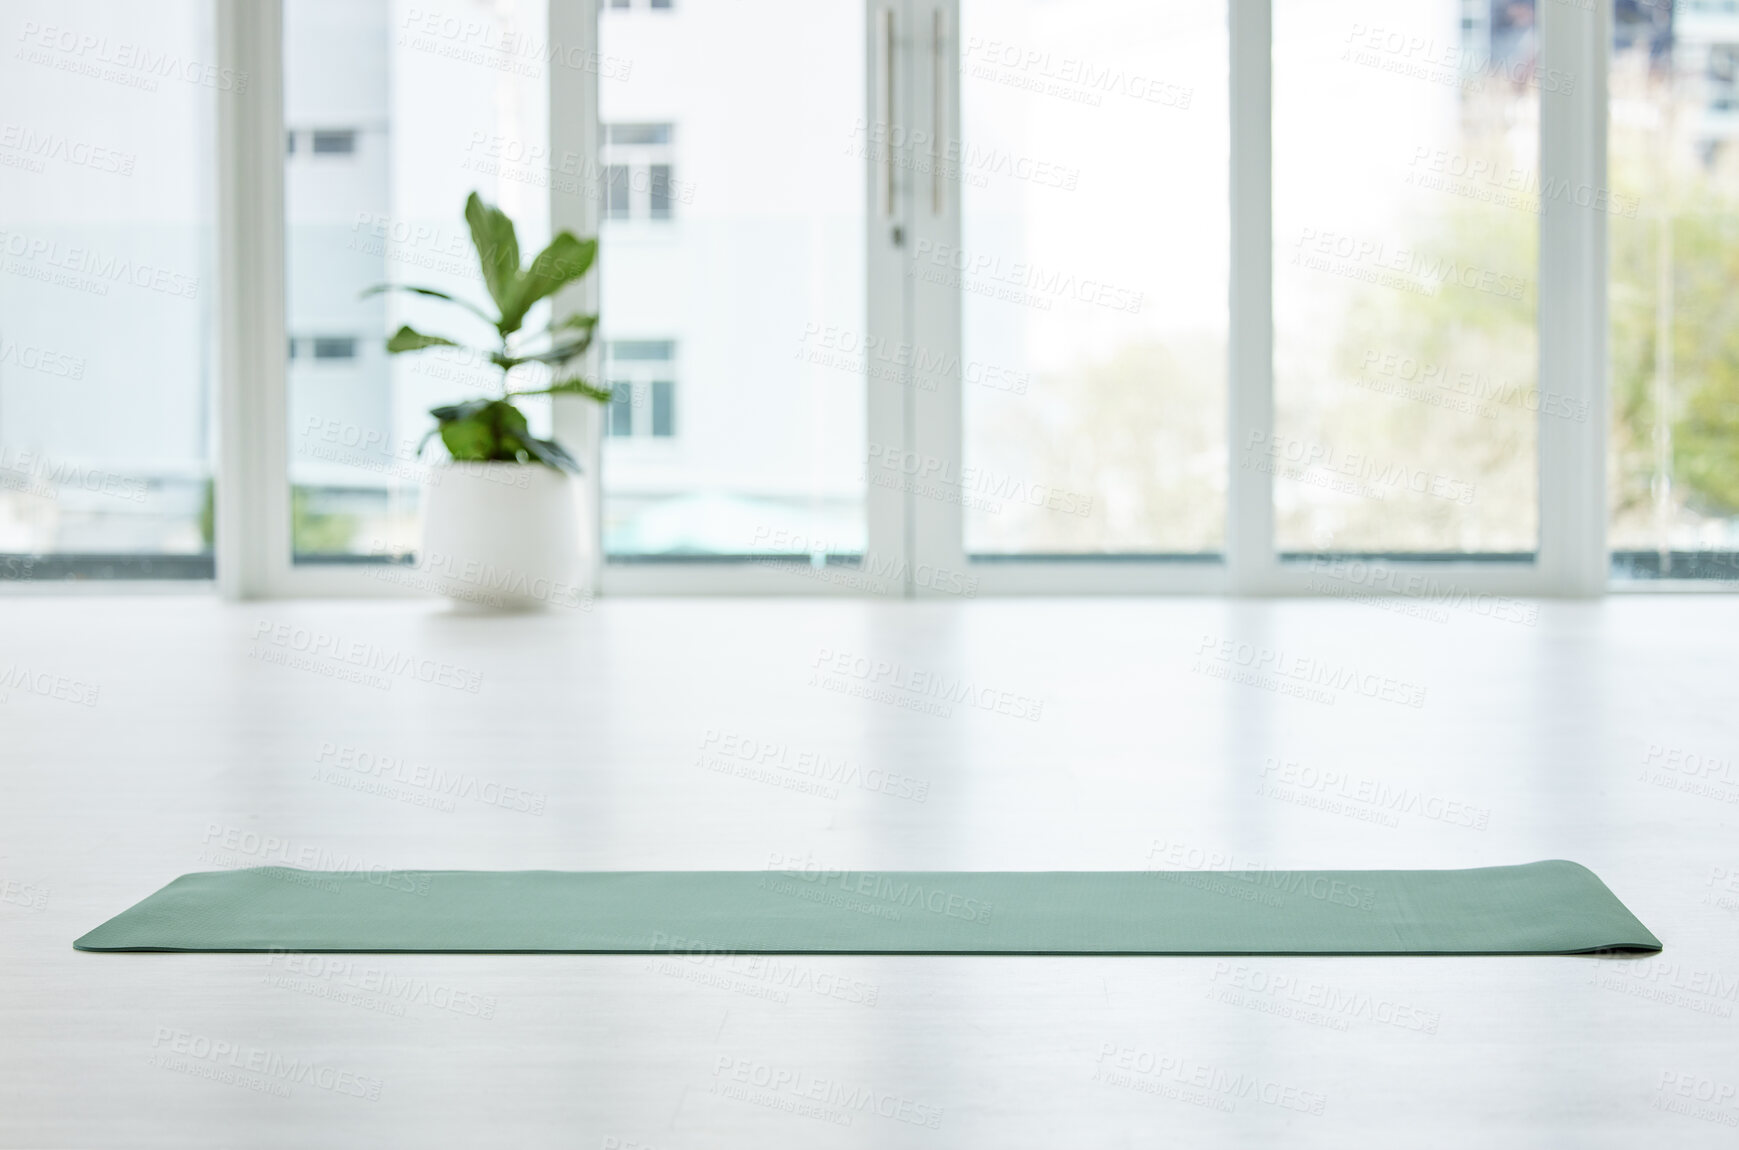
(642, 378)
(323, 348)
(637, 165)
(334, 141)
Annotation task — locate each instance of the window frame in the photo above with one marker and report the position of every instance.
(912, 76)
(1571, 559)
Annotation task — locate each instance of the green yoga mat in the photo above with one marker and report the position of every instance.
(1541, 908)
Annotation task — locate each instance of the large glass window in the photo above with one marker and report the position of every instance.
(771, 177)
(733, 235)
(393, 116)
(1093, 266)
(107, 195)
(1407, 194)
(1673, 155)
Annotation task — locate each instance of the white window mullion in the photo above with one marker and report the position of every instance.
(888, 498)
(252, 529)
(1250, 558)
(252, 536)
(1575, 44)
(937, 444)
(574, 206)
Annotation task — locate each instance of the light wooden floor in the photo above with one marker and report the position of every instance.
(151, 737)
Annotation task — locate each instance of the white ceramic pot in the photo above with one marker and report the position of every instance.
(503, 536)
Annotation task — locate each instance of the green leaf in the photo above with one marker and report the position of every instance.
(498, 252)
(408, 338)
(560, 353)
(565, 260)
(493, 430)
(480, 430)
(508, 419)
(573, 322)
(469, 440)
(572, 386)
(463, 410)
(432, 294)
(555, 355)
(553, 454)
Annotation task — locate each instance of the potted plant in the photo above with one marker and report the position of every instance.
(501, 519)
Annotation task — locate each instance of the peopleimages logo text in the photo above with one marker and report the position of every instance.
(927, 684)
(802, 1092)
(270, 1064)
(449, 784)
(831, 771)
(145, 65)
(935, 475)
(1373, 474)
(902, 892)
(48, 684)
(1316, 248)
(1372, 793)
(1418, 55)
(99, 266)
(368, 656)
(1044, 283)
(1318, 672)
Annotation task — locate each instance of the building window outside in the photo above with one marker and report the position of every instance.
(323, 348)
(642, 377)
(321, 141)
(1723, 74)
(615, 191)
(637, 163)
(329, 347)
(334, 141)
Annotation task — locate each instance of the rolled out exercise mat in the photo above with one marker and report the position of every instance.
(1540, 908)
